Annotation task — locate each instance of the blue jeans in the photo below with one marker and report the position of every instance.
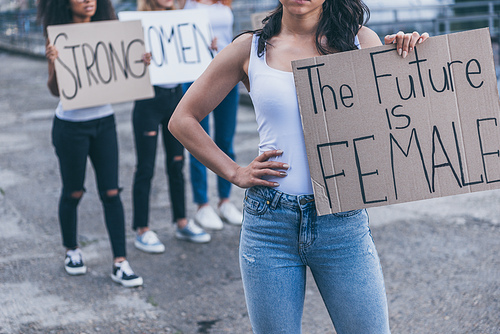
(225, 127)
(281, 235)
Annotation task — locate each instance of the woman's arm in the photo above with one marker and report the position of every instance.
(51, 54)
(228, 68)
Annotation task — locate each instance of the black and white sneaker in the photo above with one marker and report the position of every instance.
(73, 263)
(123, 274)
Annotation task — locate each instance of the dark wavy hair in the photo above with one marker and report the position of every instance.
(53, 12)
(340, 22)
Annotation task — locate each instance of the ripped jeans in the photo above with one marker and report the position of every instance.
(149, 116)
(281, 236)
(74, 142)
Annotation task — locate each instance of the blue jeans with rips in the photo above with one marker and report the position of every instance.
(282, 235)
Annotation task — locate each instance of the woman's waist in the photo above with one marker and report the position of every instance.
(273, 196)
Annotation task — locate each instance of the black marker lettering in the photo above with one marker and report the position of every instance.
(311, 86)
(375, 75)
(327, 177)
(361, 175)
(436, 136)
(478, 71)
(406, 153)
(484, 154)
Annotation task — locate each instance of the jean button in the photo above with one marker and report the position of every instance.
(303, 201)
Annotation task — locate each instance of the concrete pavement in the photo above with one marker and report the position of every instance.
(440, 257)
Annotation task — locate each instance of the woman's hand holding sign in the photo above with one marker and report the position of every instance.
(405, 42)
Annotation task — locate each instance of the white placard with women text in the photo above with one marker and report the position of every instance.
(179, 42)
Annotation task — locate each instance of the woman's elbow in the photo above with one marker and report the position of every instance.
(53, 88)
(173, 125)
(54, 92)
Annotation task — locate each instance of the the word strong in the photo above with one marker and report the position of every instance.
(100, 63)
(380, 129)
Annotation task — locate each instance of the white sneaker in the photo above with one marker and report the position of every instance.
(192, 232)
(73, 263)
(229, 213)
(207, 217)
(124, 275)
(148, 242)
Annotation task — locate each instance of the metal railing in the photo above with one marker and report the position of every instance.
(438, 19)
(19, 30)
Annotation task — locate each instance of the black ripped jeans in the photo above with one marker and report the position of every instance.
(148, 117)
(74, 142)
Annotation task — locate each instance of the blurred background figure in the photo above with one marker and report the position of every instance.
(148, 117)
(224, 124)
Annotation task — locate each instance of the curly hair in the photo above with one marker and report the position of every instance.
(340, 22)
(53, 12)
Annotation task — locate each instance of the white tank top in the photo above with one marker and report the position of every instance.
(277, 113)
(279, 124)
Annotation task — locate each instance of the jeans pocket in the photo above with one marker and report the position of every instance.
(348, 213)
(254, 206)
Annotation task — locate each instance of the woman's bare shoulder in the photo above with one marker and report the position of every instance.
(233, 59)
(244, 40)
(368, 38)
(240, 47)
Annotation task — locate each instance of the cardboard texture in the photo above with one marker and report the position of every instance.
(100, 63)
(179, 42)
(381, 130)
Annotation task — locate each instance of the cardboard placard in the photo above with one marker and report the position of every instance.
(179, 42)
(100, 63)
(381, 130)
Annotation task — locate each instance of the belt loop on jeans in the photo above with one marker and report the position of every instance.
(276, 199)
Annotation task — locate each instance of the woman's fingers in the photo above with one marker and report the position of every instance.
(423, 37)
(400, 36)
(405, 43)
(51, 53)
(260, 168)
(414, 37)
(264, 167)
(146, 58)
(268, 155)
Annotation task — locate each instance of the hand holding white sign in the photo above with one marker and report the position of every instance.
(180, 42)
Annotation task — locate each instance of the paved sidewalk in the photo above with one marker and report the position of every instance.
(440, 257)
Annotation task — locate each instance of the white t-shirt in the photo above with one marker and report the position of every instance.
(83, 114)
(221, 19)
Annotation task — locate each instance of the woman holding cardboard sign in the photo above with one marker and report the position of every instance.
(148, 116)
(282, 233)
(81, 133)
